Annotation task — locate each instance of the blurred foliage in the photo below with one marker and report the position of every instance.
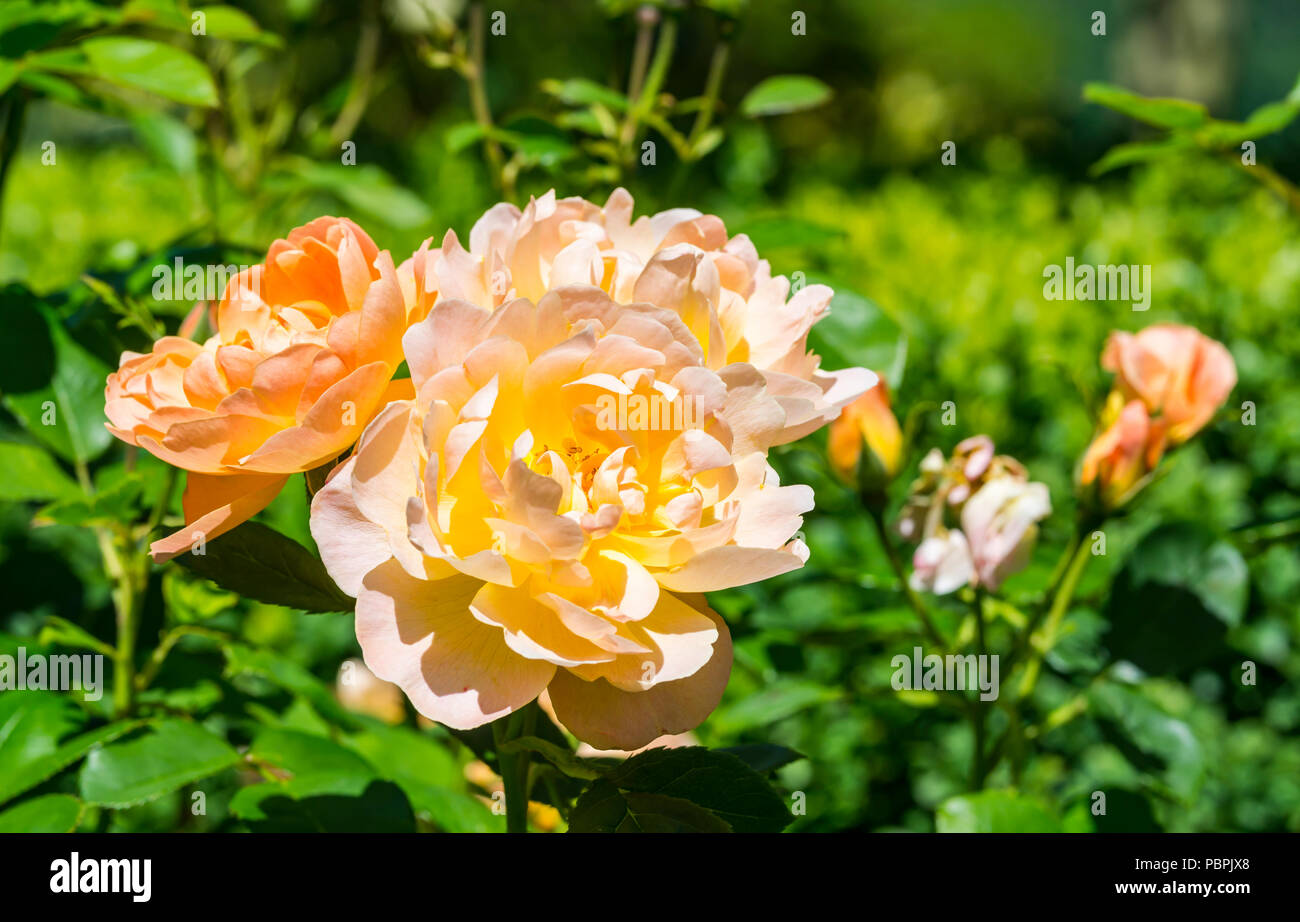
(824, 147)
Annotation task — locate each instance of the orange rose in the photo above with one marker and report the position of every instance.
(1179, 374)
(870, 421)
(1124, 453)
(303, 357)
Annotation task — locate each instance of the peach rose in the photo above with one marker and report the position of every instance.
(1181, 375)
(304, 354)
(506, 533)
(679, 259)
(866, 421)
(942, 563)
(1001, 523)
(1124, 453)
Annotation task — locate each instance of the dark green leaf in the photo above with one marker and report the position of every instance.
(53, 384)
(763, 757)
(1178, 592)
(260, 563)
(605, 808)
(325, 803)
(714, 780)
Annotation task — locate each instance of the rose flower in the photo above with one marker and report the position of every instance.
(679, 259)
(1180, 375)
(304, 353)
(505, 535)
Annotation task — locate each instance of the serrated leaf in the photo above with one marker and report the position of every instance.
(717, 781)
(172, 754)
(605, 808)
(260, 563)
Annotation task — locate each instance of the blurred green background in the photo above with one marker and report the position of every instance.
(938, 274)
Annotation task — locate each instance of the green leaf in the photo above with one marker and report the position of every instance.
(763, 757)
(995, 811)
(169, 140)
(18, 778)
(580, 92)
(1123, 155)
(51, 813)
(144, 64)
(291, 677)
(779, 700)
(429, 775)
(60, 631)
(858, 332)
(52, 384)
(787, 93)
(305, 753)
(30, 473)
(605, 808)
(234, 25)
(174, 753)
(260, 563)
(365, 188)
(9, 71)
(325, 803)
(1149, 736)
(1172, 602)
(31, 725)
(716, 781)
(1164, 113)
(116, 503)
(463, 135)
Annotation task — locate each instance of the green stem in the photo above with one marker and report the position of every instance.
(896, 563)
(473, 71)
(646, 19)
(712, 86)
(978, 712)
(654, 81)
(1060, 605)
(513, 766)
(150, 671)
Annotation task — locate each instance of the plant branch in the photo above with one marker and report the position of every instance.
(914, 600)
